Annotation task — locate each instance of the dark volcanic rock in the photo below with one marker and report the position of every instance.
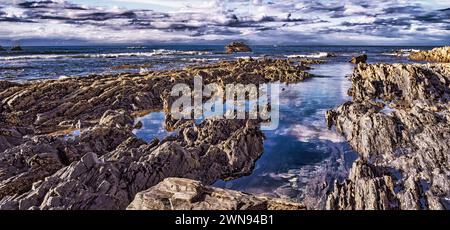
(359, 59)
(185, 194)
(399, 122)
(235, 47)
(441, 54)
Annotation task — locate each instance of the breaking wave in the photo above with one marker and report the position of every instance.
(311, 55)
(159, 52)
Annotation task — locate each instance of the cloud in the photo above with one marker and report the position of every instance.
(259, 21)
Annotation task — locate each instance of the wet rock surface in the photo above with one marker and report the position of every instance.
(399, 123)
(185, 194)
(441, 54)
(236, 47)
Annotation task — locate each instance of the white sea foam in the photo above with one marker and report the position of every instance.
(158, 52)
(401, 52)
(311, 55)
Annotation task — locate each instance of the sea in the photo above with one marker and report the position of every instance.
(300, 152)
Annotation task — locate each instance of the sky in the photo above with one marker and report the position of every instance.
(271, 22)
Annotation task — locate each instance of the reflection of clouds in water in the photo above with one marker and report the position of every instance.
(311, 133)
(312, 128)
(302, 151)
(152, 126)
(336, 70)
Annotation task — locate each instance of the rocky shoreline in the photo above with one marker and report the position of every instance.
(42, 166)
(69, 143)
(440, 54)
(399, 123)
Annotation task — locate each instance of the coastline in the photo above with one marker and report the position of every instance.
(101, 107)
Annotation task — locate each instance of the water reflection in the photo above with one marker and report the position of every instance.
(152, 127)
(302, 148)
(295, 152)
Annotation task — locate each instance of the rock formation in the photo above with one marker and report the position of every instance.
(399, 123)
(110, 178)
(185, 194)
(235, 47)
(54, 105)
(441, 54)
(359, 59)
(17, 48)
(69, 143)
(2, 49)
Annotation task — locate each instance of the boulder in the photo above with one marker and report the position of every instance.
(235, 47)
(359, 59)
(186, 194)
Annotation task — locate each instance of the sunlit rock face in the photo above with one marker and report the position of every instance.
(441, 54)
(236, 47)
(399, 122)
(185, 194)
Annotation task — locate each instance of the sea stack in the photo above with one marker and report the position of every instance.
(235, 47)
(441, 54)
(359, 59)
(16, 48)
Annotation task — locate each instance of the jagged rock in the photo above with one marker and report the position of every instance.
(46, 105)
(399, 123)
(219, 149)
(68, 144)
(35, 158)
(359, 59)
(366, 188)
(235, 47)
(441, 54)
(185, 194)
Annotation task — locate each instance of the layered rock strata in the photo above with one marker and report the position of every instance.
(215, 149)
(185, 194)
(52, 105)
(69, 143)
(399, 123)
(440, 54)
